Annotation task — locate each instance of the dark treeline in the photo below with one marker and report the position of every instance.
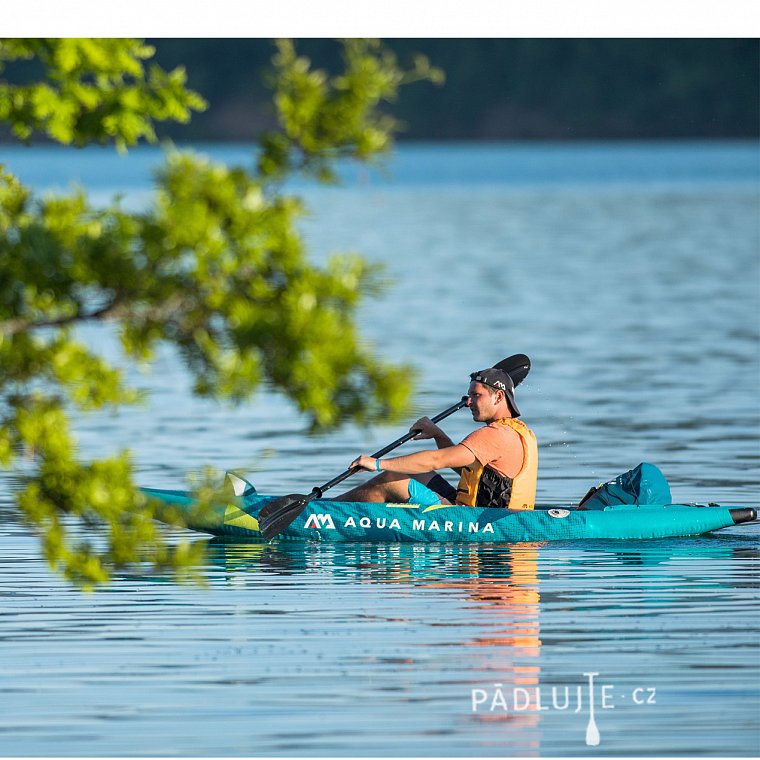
(509, 89)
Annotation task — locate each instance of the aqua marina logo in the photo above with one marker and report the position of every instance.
(322, 520)
(573, 699)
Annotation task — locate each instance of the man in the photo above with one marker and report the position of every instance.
(498, 463)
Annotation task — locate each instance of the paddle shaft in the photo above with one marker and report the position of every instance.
(404, 438)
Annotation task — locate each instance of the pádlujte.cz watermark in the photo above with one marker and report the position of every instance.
(574, 698)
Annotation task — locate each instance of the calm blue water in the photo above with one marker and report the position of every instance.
(631, 276)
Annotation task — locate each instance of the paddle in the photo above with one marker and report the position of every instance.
(279, 513)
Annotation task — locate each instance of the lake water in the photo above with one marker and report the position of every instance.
(630, 274)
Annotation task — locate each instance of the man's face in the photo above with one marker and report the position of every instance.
(483, 401)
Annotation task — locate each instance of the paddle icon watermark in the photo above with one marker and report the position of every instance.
(584, 699)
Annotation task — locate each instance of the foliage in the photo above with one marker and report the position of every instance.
(215, 266)
(93, 91)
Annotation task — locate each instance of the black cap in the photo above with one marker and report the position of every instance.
(500, 381)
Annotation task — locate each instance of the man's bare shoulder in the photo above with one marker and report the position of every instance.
(494, 434)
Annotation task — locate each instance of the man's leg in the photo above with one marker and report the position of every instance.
(387, 486)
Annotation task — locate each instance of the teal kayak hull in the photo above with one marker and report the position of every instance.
(326, 520)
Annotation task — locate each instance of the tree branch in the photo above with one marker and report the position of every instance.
(11, 327)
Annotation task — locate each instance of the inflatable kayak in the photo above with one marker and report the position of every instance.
(327, 520)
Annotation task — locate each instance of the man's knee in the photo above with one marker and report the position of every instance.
(395, 486)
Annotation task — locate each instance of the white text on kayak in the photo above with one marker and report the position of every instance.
(325, 521)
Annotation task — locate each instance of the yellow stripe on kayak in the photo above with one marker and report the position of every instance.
(440, 506)
(233, 515)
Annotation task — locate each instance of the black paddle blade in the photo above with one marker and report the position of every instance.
(277, 514)
(516, 366)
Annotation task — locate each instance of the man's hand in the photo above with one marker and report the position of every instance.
(363, 462)
(425, 428)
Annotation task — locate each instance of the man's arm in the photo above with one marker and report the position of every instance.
(428, 429)
(421, 461)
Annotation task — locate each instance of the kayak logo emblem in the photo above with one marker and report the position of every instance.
(320, 521)
(559, 512)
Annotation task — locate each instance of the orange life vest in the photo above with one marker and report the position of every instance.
(482, 486)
